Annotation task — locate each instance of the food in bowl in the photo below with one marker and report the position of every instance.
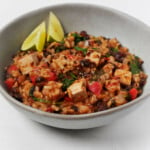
(78, 75)
(82, 74)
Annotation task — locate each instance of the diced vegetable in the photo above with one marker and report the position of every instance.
(11, 68)
(33, 78)
(133, 93)
(52, 77)
(68, 99)
(9, 82)
(95, 87)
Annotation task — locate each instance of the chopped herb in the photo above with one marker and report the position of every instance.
(66, 83)
(31, 91)
(134, 65)
(115, 50)
(35, 98)
(60, 48)
(73, 76)
(40, 100)
(95, 48)
(60, 76)
(84, 50)
(107, 55)
(78, 38)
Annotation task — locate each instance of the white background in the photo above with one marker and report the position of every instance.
(19, 133)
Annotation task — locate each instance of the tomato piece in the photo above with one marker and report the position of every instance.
(52, 77)
(33, 78)
(95, 87)
(49, 109)
(71, 56)
(11, 68)
(133, 93)
(9, 82)
(68, 99)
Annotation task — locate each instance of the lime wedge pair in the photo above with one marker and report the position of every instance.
(36, 39)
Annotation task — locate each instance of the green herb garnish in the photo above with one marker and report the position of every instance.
(78, 38)
(115, 50)
(66, 83)
(84, 50)
(134, 66)
(107, 55)
(73, 75)
(35, 98)
(40, 100)
(31, 91)
(60, 76)
(60, 48)
(95, 48)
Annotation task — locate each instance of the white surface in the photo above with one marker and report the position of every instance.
(19, 133)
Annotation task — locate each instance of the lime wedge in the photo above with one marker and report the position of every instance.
(35, 39)
(55, 29)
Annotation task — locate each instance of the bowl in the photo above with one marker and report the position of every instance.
(96, 20)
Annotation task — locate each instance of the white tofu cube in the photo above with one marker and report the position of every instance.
(112, 85)
(93, 57)
(77, 91)
(124, 75)
(26, 63)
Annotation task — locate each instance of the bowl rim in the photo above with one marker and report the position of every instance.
(78, 116)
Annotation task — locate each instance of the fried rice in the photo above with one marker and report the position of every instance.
(82, 74)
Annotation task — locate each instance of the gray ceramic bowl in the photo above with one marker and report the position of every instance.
(96, 20)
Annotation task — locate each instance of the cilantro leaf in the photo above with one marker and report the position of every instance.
(35, 98)
(115, 50)
(84, 50)
(66, 83)
(78, 38)
(134, 66)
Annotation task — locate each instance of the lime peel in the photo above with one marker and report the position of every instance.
(55, 29)
(36, 38)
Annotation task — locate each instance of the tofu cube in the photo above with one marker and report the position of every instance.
(112, 85)
(77, 91)
(124, 75)
(108, 68)
(26, 62)
(93, 57)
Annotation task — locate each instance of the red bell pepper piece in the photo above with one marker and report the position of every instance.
(9, 82)
(33, 78)
(49, 109)
(11, 68)
(52, 77)
(133, 93)
(68, 99)
(71, 56)
(95, 87)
